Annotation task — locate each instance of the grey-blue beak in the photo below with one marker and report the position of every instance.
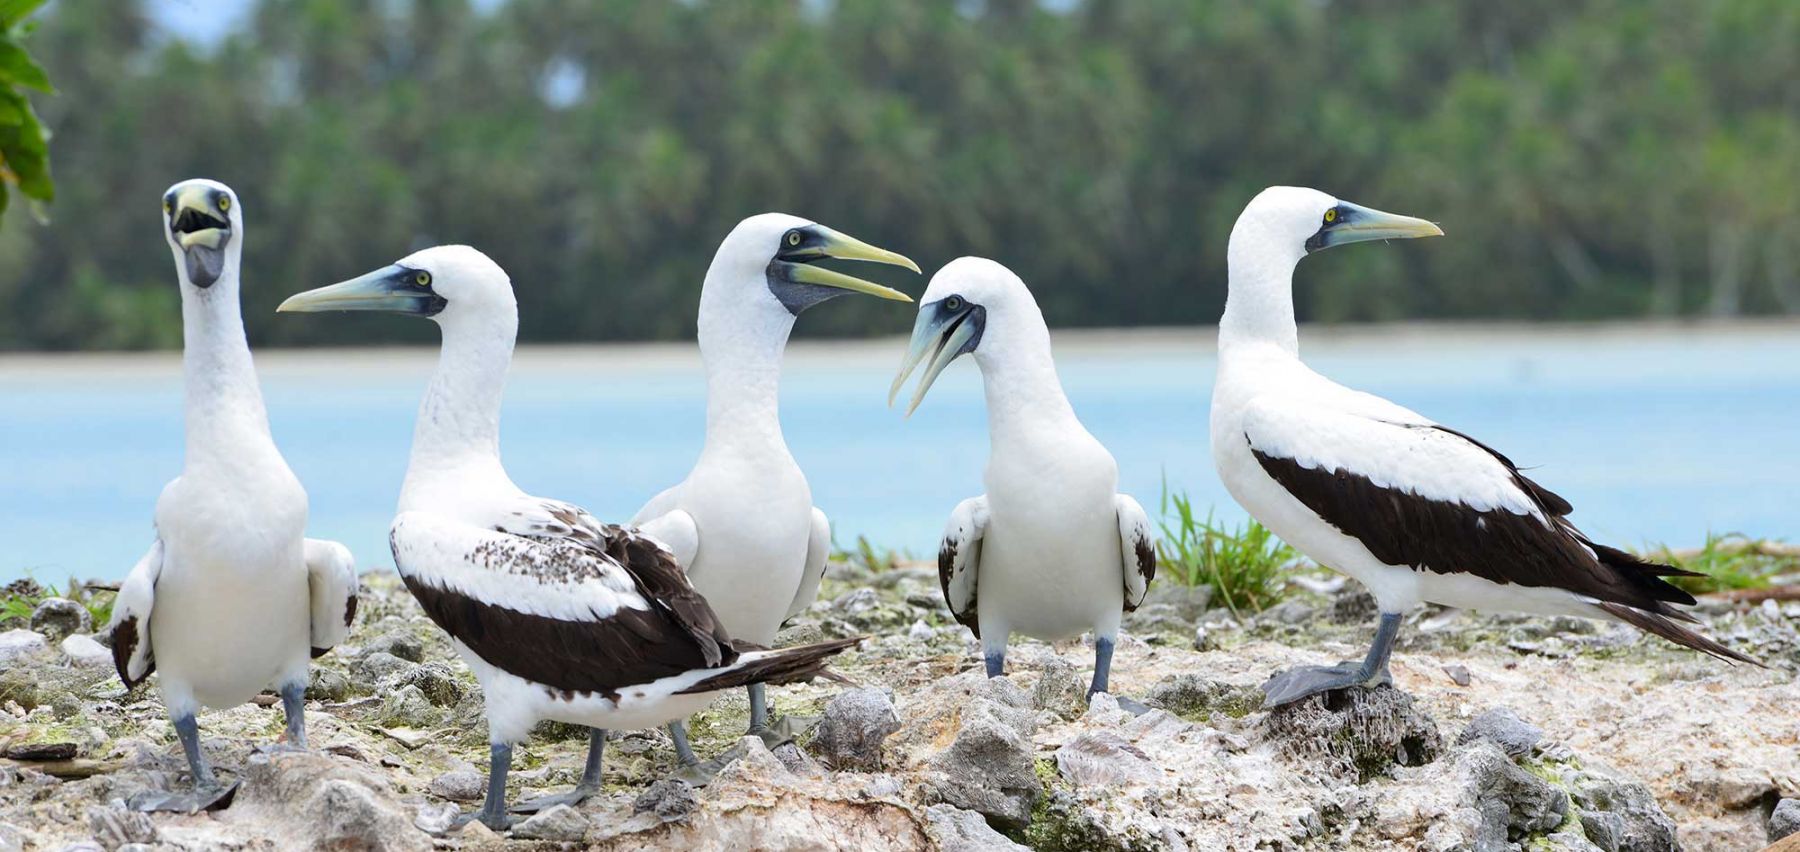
(1353, 223)
(395, 288)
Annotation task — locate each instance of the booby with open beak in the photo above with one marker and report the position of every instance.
(1412, 509)
(560, 616)
(231, 597)
(743, 522)
(1052, 549)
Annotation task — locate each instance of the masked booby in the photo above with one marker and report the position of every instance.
(560, 616)
(1052, 549)
(231, 597)
(743, 522)
(1412, 509)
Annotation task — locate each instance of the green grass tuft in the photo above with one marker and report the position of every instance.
(1729, 561)
(1245, 566)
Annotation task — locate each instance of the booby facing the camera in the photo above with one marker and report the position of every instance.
(1052, 549)
(560, 616)
(743, 522)
(1413, 510)
(232, 597)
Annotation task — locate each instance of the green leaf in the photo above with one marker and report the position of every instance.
(12, 108)
(14, 11)
(17, 67)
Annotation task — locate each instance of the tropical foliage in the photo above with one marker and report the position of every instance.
(1588, 158)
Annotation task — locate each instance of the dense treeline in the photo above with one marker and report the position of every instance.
(1588, 159)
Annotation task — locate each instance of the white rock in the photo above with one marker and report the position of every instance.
(82, 650)
(435, 819)
(19, 643)
(561, 823)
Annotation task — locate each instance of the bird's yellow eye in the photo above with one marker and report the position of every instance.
(1331, 215)
(793, 238)
(422, 278)
(168, 207)
(224, 202)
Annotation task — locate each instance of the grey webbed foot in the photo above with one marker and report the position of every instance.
(701, 772)
(211, 797)
(575, 796)
(1132, 705)
(496, 821)
(1304, 681)
(784, 730)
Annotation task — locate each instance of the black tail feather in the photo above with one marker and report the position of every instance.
(787, 665)
(1660, 625)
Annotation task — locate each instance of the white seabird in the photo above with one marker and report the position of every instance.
(232, 597)
(1413, 510)
(743, 522)
(1052, 548)
(560, 616)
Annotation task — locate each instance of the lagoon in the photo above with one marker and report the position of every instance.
(1657, 433)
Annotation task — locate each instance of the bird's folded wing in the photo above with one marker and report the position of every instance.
(130, 624)
(818, 550)
(331, 583)
(1137, 549)
(676, 531)
(959, 558)
(1423, 496)
(557, 608)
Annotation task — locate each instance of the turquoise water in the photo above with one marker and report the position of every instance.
(1656, 435)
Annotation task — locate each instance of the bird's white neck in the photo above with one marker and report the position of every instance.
(458, 430)
(1259, 303)
(224, 411)
(1019, 374)
(741, 343)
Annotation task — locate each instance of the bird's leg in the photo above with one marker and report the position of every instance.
(996, 661)
(493, 808)
(1103, 651)
(1297, 683)
(1103, 654)
(188, 731)
(587, 786)
(759, 708)
(207, 792)
(684, 753)
(293, 703)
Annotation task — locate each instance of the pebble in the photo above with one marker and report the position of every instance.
(669, 799)
(1785, 820)
(459, 785)
(561, 823)
(1502, 727)
(1459, 674)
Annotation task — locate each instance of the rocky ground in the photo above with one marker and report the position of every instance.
(1503, 733)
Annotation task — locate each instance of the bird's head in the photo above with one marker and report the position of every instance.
(1292, 221)
(443, 283)
(964, 300)
(200, 220)
(772, 260)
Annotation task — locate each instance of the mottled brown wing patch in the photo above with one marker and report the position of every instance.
(1146, 563)
(125, 642)
(947, 571)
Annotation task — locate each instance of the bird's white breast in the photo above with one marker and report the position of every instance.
(754, 516)
(1050, 564)
(231, 613)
